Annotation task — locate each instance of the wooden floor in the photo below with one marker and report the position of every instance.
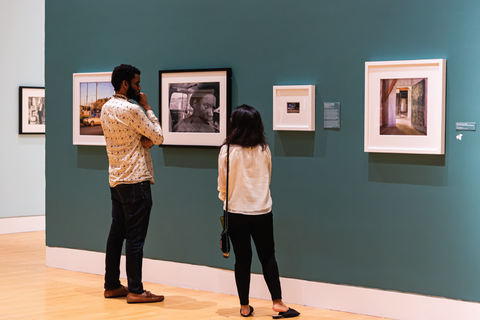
(32, 291)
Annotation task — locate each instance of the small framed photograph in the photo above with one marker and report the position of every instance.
(90, 92)
(195, 106)
(294, 108)
(405, 106)
(31, 108)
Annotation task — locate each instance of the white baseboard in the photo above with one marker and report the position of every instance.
(22, 224)
(373, 302)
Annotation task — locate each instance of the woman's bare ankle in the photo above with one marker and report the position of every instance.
(245, 309)
(279, 306)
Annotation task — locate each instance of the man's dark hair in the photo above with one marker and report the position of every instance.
(123, 72)
(246, 128)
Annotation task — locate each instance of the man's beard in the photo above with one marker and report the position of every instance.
(132, 95)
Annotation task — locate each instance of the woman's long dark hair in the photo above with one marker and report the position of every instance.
(246, 128)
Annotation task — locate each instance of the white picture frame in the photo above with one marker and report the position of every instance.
(90, 92)
(177, 89)
(294, 108)
(410, 119)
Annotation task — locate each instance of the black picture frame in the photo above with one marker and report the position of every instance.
(31, 110)
(195, 105)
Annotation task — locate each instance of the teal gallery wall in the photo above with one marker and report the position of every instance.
(400, 222)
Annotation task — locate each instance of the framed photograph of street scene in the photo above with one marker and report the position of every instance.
(195, 106)
(90, 92)
(31, 108)
(294, 108)
(405, 106)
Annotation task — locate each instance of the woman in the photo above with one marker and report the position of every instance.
(250, 205)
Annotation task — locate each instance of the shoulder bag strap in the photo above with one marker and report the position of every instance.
(225, 213)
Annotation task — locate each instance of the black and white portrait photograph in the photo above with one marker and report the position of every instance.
(194, 106)
(31, 110)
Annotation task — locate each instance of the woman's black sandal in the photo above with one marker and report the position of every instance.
(290, 313)
(247, 315)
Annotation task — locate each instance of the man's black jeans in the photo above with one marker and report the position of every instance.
(131, 205)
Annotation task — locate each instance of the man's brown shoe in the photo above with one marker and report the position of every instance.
(120, 292)
(146, 296)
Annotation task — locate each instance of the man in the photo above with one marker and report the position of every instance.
(41, 106)
(202, 118)
(129, 134)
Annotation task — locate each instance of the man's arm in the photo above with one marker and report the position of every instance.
(147, 123)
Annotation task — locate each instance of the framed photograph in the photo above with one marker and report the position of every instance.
(90, 92)
(294, 108)
(195, 106)
(31, 108)
(405, 106)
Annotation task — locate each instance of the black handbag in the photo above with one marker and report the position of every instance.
(225, 239)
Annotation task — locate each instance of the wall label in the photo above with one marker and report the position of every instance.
(331, 115)
(465, 126)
